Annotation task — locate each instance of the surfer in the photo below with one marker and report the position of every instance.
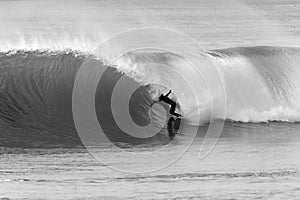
(169, 101)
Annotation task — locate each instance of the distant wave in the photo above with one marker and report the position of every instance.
(183, 176)
(262, 84)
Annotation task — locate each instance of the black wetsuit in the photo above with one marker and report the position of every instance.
(169, 101)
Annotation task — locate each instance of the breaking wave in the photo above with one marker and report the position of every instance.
(261, 84)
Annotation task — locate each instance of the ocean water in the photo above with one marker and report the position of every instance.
(239, 138)
(250, 161)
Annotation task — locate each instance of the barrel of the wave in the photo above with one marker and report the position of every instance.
(141, 66)
(126, 100)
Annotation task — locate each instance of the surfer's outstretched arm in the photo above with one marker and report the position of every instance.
(168, 93)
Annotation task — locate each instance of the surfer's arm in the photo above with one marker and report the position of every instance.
(168, 93)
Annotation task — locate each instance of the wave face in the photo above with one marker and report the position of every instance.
(36, 91)
(36, 100)
(261, 83)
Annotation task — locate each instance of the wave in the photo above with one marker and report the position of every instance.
(261, 84)
(36, 99)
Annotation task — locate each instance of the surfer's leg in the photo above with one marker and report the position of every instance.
(172, 110)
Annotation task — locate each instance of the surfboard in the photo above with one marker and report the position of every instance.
(173, 127)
